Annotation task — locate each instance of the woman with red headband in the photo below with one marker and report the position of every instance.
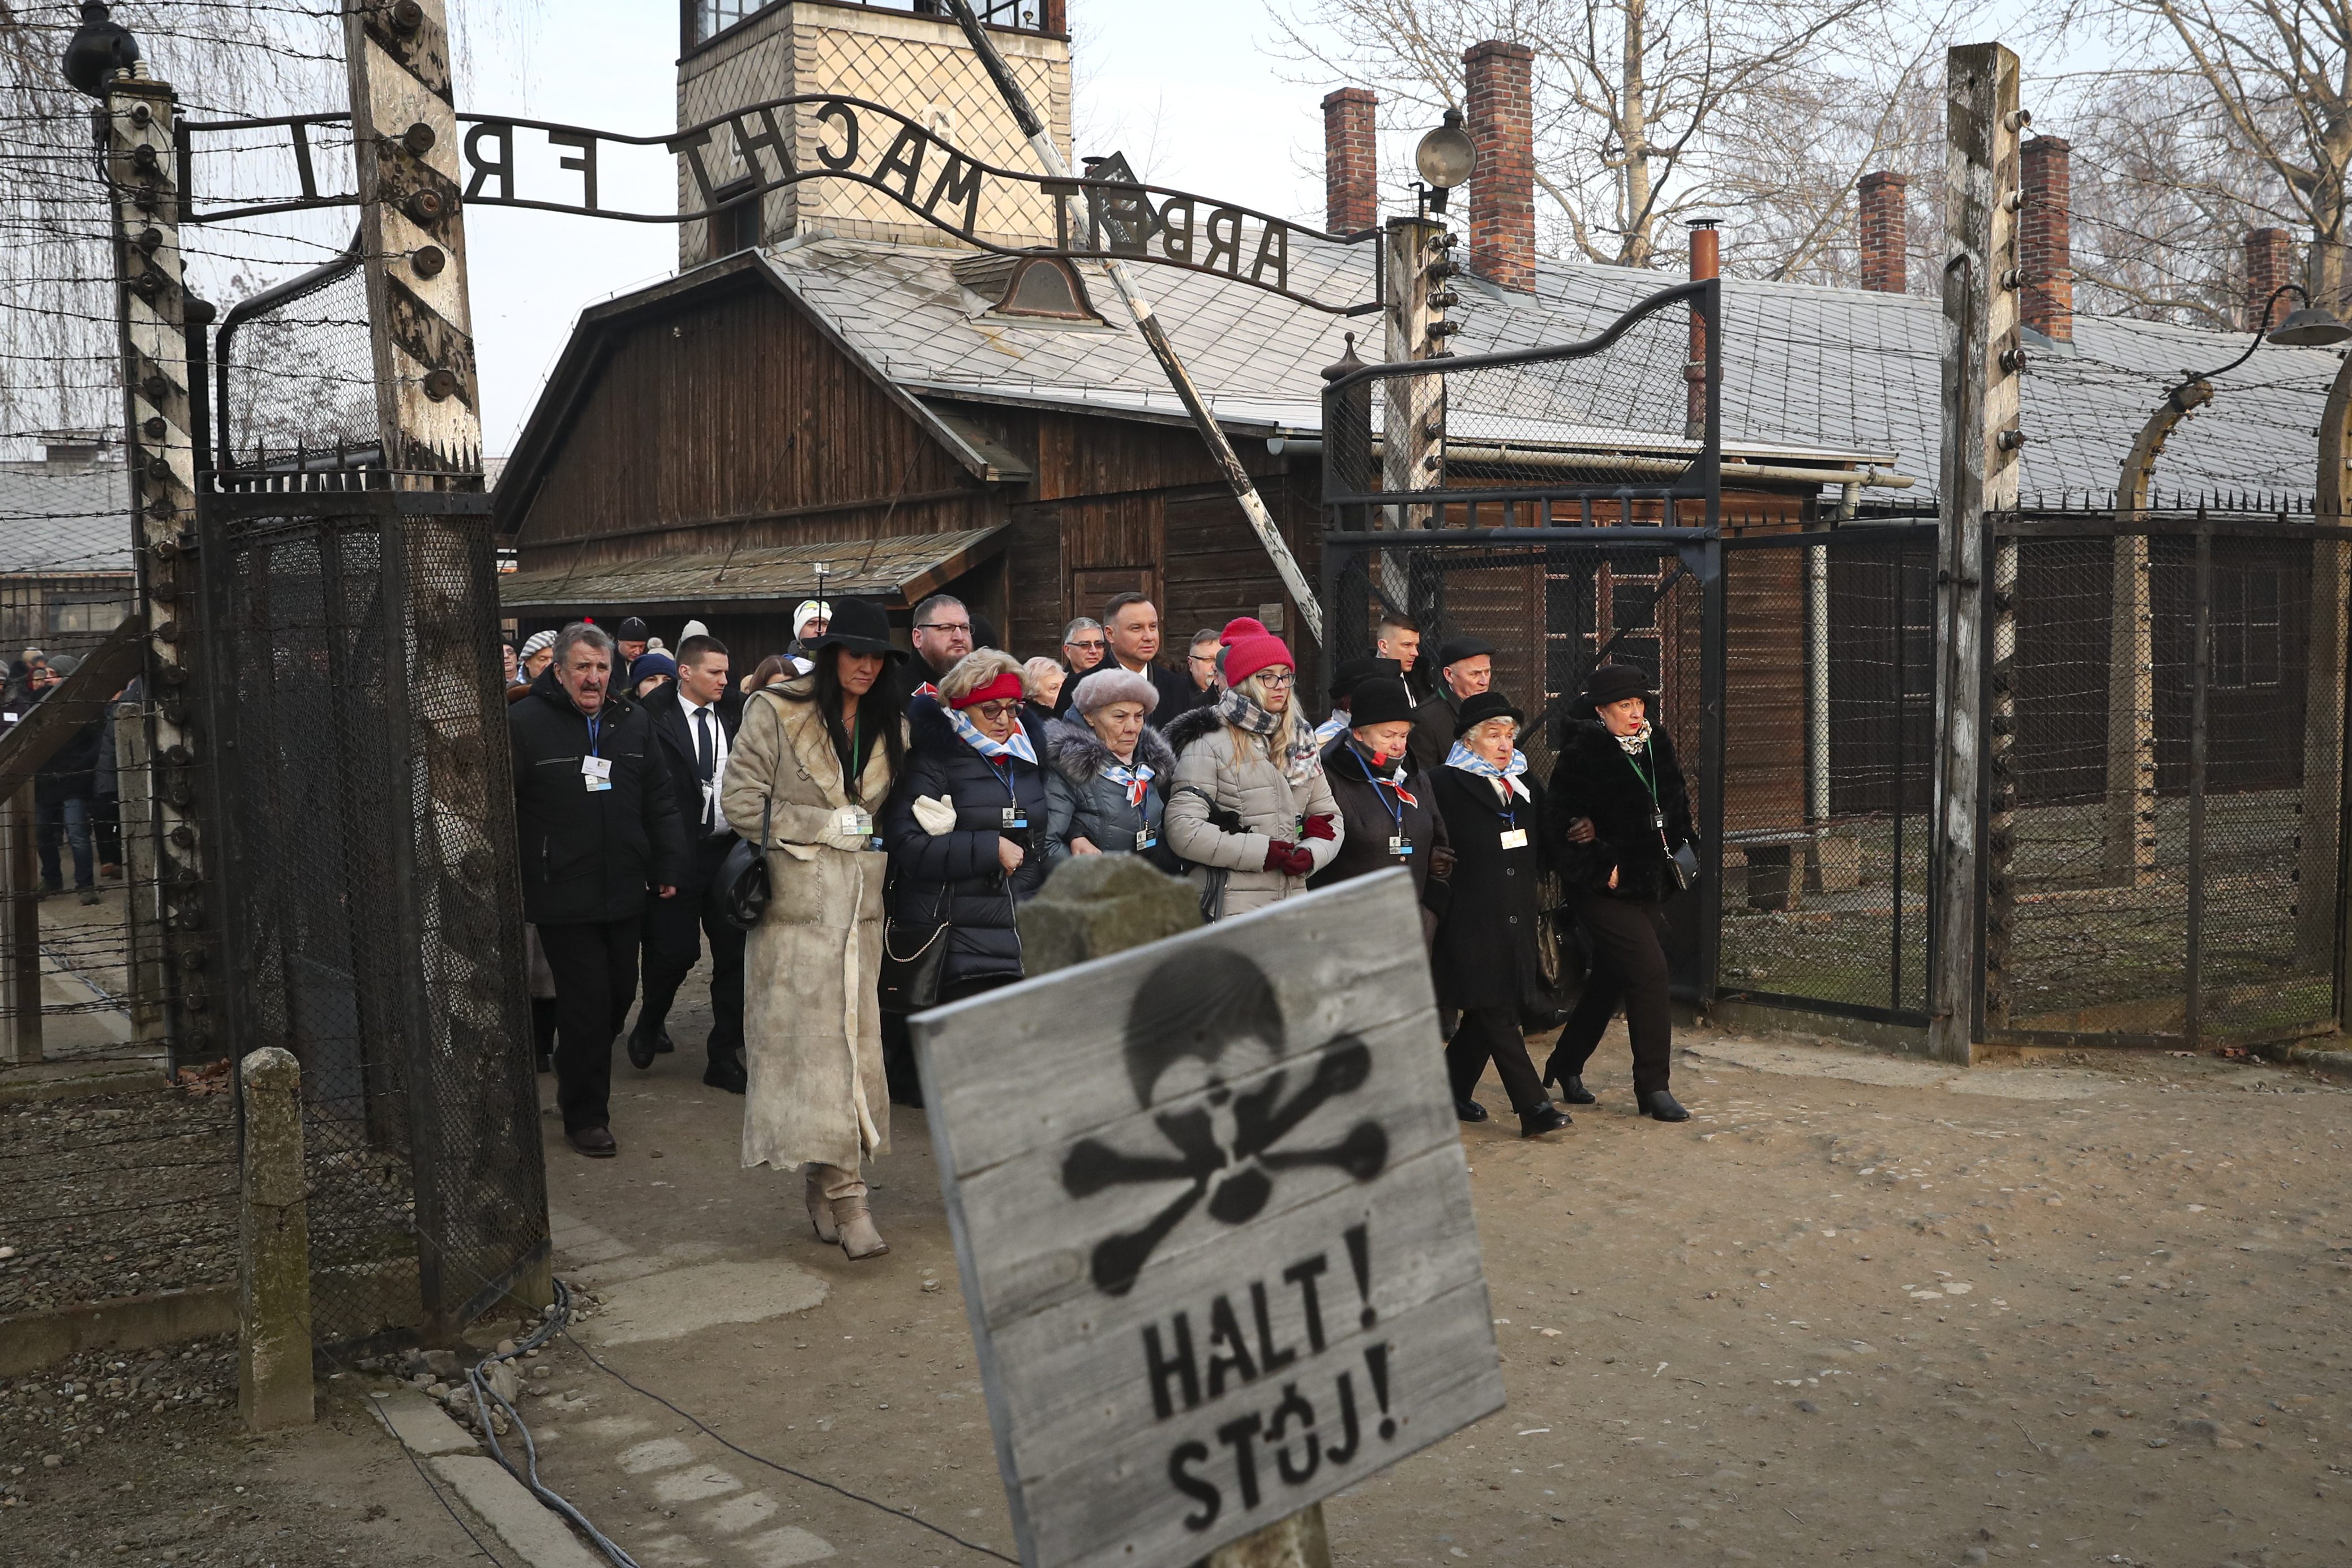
(966, 828)
(1251, 809)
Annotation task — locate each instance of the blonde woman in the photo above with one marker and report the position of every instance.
(811, 767)
(1249, 805)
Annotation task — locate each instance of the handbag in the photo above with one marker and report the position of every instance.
(914, 961)
(1684, 862)
(743, 885)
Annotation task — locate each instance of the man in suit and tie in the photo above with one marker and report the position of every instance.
(694, 729)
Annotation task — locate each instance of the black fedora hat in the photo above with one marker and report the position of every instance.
(860, 625)
(1613, 683)
(1475, 711)
(1354, 672)
(1379, 699)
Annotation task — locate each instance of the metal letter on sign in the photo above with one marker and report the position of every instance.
(1213, 1221)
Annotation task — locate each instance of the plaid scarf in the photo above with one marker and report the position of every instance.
(1017, 747)
(1470, 761)
(1132, 778)
(1305, 759)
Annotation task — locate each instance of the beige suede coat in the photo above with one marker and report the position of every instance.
(811, 1032)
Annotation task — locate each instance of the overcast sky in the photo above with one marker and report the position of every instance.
(1186, 91)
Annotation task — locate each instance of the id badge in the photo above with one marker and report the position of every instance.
(596, 773)
(1515, 838)
(1657, 819)
(857, 821)
(1399, 847)
(1014, 819)
(1143, 839)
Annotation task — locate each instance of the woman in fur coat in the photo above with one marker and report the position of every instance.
(814, 760)
(1108, 789)
(1251, 809)
(1622, 774)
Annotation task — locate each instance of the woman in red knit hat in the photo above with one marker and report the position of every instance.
(1249, 807)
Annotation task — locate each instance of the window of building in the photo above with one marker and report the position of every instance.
(735, 220)
(2245, 626)
(1046, 286)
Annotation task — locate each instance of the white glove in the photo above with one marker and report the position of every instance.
(935, 813)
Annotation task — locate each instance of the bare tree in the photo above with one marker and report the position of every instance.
(2217, 116)
(1646, 112)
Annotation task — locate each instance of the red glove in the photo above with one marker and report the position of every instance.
(1277, 857)
(1319, 827)
(1302, 863)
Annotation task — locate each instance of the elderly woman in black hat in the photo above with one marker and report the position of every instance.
(813, 765)
(1388, 805)
(1499, 827)
(1620, 772)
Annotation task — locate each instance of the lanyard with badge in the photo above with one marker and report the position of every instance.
(595, 771)
(1399, 844)
(1015, 819)
(856, 821)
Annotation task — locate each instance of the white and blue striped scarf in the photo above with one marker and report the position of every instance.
(1018, 748)
(1470, 761)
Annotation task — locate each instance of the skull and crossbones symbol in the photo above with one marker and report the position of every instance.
(1206, 1029)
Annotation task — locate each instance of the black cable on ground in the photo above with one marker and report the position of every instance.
(563, 1319)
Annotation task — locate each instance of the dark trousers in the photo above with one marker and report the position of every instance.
(595, 969)
(1629, 966)
(674, 928)
(1492, 1033)
(106, 827)
(68, 820)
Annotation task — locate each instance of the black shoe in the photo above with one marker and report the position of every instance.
(1469, 1110)
(641, 1050)
(661, 1042)
(596, 1143)
(1662, 1104)
(1572, 1090)
(726, 1075)
(1549, 1117)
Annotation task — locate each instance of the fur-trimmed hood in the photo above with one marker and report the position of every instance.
(1078, 755)
(1191, 725)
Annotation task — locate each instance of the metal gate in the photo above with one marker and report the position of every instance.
(372, 900)
(2163, 836)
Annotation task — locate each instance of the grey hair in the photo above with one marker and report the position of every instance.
(1035, 674)
(976, 670)
(1083, 624)
(575, 633)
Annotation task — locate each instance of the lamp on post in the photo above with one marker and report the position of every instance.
(1446, 158)
(100, 48)
(2309, 328)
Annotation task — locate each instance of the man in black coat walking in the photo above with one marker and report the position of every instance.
(597, 826)
(694, 731)
(1466, 666)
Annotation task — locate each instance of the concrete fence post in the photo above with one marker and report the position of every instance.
(20, 933)
(273, 1327)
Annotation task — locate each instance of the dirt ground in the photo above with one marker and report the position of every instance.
(1859, 1309)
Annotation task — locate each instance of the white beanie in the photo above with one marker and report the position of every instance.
(811, 610)
(693, 629)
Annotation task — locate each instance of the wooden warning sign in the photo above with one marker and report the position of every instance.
(1213, 1221)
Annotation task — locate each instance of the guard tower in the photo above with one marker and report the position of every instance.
(906, 55)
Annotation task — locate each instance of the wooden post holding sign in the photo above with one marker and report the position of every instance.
(1213, 1217)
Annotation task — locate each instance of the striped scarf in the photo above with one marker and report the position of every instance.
(1470, 761)
(1133, 779)
(1017, 747)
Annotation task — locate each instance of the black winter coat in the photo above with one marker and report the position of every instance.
(1594, 778)
(956, 877)
(1486, 950)
(1433, 731)
(674, 749)
(72, 771)
(589, 857)
(1368, 809)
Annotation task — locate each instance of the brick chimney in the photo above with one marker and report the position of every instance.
(1886, 232)
(1501, 123)
(1351, 195)
(2045, 241)
(2269, 267)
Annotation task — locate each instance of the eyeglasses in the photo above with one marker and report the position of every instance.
(945, 626)
(1202, 657)
(1004, 710)
(1095, 646)
(1275, 678)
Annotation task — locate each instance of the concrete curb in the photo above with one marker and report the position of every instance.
(21, 1085)
(535, 1534)
(2319, 1058)
(126, 1322)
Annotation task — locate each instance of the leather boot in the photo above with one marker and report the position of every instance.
(859, 1239)
(1662, 1104)
(820, 1209)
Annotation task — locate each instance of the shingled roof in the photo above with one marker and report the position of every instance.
(1832, 371)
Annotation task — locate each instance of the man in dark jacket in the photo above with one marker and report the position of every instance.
(694, 731)
(62, 790)
(597, 825)
(1132, 624)
(1466, 666)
